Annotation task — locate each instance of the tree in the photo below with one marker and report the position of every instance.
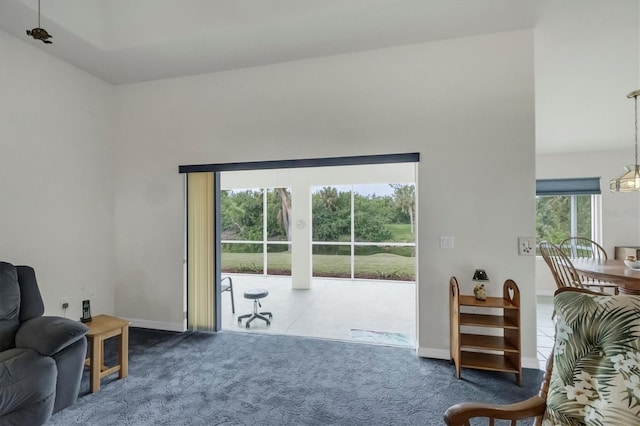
(241, 217)
(279, 214)
(285, 211)
(553, 220)
(404, 197)
(370, 218)
(329, 196)
(331, 215)
(553, 217)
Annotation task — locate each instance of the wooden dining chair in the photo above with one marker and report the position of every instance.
(565, 274)
(562, 269)
(585, 248)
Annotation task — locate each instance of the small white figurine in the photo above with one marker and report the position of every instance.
(480, 292)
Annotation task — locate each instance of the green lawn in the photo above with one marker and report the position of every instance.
(375, 266)
(401, 233)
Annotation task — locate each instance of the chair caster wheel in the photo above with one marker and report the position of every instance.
(268, 322)
(270, 316)
(248, 326)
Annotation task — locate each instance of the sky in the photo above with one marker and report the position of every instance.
(380, 189)
(365, 189)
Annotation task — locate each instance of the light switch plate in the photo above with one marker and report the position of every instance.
(446, 242)
(526, 246)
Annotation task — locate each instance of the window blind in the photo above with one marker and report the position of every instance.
(569, 186)
(201, 266)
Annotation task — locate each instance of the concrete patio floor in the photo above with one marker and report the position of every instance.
(333, 308)
(330, 309)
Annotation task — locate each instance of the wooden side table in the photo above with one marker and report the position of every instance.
(101, 328)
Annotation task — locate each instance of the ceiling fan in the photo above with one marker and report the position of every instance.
(40, 33)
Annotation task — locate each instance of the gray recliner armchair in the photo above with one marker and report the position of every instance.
(41, 358)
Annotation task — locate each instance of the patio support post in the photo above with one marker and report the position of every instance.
(300, 234)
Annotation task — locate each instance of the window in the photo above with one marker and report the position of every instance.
(256, 231)
(364, 231)
(567, 208)
(563, 216)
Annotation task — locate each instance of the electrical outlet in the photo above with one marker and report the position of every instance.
(64, 303)
(526, 246)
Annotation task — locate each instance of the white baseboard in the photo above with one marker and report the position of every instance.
(433, 353)
(530, 363)
(527, 362)
(157, 325)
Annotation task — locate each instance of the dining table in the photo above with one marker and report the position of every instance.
(610, 270)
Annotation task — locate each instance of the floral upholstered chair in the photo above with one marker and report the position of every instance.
(593, 376)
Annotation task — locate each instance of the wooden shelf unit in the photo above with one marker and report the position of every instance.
(485, 351)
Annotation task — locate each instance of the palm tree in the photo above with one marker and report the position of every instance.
(404, 197)
(329, 197)
(284, 215)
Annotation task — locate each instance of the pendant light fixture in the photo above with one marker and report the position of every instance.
(630, 180)
(39, 33)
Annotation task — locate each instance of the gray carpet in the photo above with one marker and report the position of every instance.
(233, 378)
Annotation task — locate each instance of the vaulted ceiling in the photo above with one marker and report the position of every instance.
(124, 41)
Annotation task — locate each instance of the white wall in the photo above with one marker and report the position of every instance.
(466, 105)
(56, 176)
(319, 176)
(586, 62)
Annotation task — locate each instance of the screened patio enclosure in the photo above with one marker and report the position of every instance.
(344, 222)
(345, 235)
